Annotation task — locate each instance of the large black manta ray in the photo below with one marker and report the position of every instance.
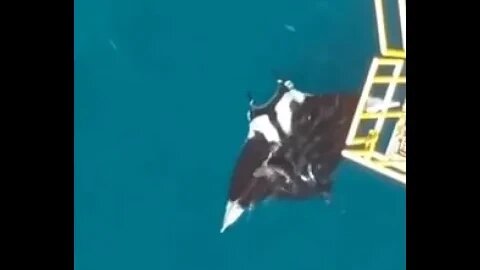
(294, 145)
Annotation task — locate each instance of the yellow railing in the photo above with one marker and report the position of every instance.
(385, 50)
(391, 162)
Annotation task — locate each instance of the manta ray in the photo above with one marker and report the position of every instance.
(293, 146)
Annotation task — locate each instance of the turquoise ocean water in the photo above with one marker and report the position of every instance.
(160, 116)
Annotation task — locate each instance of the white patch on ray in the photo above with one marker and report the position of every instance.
(269, 172)
(287, 177)
(289, 85)
(310, 172)
(298, 96)
(283, 110)
(233, 211)
(310, 177)
(263, 125)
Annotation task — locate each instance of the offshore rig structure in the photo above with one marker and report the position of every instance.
(377, 138)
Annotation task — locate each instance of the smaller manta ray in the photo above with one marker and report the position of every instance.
(294, 145)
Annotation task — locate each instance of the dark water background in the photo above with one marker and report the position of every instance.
(160, 116)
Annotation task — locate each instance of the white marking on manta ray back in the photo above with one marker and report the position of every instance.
(289, 84)
(283, 110)
(310, 173)
(263, 125)
(282, 172)
(268, 171)
(233, 211)
(310, 177)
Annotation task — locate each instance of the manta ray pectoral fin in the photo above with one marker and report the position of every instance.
(233, 211)
(259, 188)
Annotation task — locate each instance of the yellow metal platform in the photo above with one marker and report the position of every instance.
(367, 128)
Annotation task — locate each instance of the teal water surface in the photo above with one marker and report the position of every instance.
(160, 117)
